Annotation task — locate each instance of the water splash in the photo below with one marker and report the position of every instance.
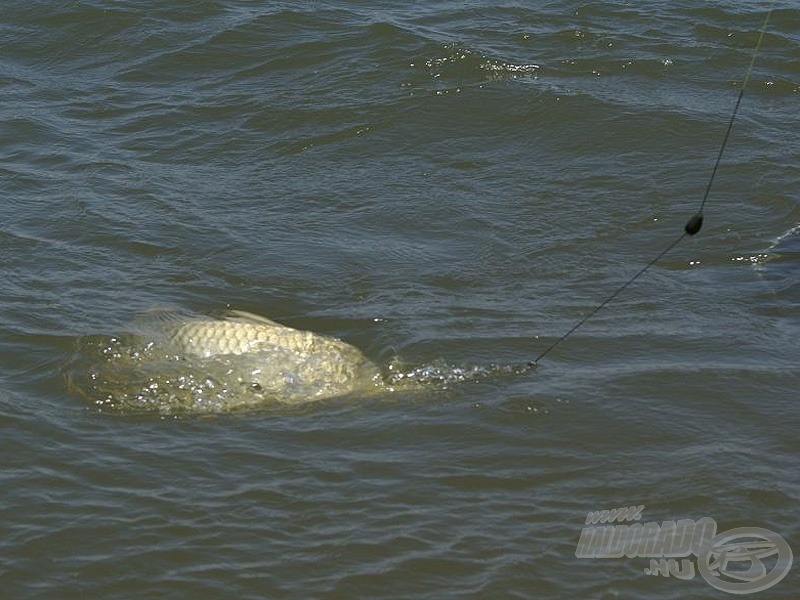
(442, 375)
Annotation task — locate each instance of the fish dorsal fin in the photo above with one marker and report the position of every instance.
(240, 316)
(160, 318)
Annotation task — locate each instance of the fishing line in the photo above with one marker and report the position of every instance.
(692, 226)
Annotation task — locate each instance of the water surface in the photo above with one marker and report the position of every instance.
(448, 185)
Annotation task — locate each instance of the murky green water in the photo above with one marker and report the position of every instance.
(448, 187)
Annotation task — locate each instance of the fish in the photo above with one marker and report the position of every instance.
(173, 362)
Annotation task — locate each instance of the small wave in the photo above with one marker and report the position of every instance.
(784, 249)
(459, 62)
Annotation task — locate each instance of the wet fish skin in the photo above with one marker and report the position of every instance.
(278, 357)
(239, 332)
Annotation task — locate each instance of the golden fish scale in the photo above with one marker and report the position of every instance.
(210, 338)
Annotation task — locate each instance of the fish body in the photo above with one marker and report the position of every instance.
(177, 362)
(278, 356)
